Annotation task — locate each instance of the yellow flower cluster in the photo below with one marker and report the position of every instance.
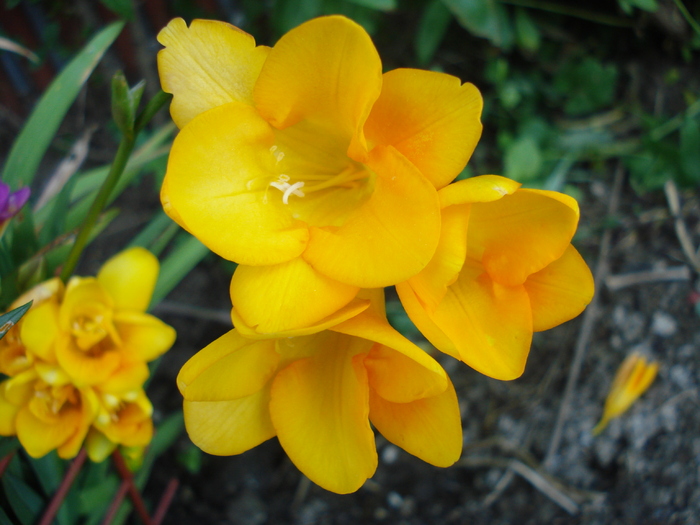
(77, 361)
(327, 180)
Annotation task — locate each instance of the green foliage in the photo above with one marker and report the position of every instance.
(123, 8)
(431, 30)
(586, 86)
(37, 134)
(645, 5)
(485, 18)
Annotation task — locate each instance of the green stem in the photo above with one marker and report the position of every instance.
(571, 11)
(675, 123)
(688, 17)
(120, 160)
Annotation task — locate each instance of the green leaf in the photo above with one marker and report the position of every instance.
(431, 30)
(179, 262)
(160, 230)
(378, 5)
(37, 134)
(645, 5)
(8, 445)
(586, 86)
(11, 318)
(4, 518)
(124, 8)
(485, 18)
(523, 160)
(25, 502)
(690, 151)
(526, 32)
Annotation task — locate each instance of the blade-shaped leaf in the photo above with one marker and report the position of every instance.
(11, 318)
(37, 134)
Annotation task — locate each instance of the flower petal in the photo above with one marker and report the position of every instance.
(86, 368)
(70, 448)
(39, 437)
(521, 233)
(39, 330)
(217, 184)
(286, 296)
(400, 379)
(326, 70)
(484, 188)
(127, 377)
(231, 367)
(560, 291)
(370, 327)
(489, 324)
(206, 65)
(443, 269)
(143, 336)
(224, 428)
(422, 317)
(8, 414)
(432, 118)
(129, 278)
(346, 312)
(429, 428)
(320, 408)
(391, 237)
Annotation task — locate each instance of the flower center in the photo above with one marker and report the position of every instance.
(49, 401)
(92, 326)
(348, 178)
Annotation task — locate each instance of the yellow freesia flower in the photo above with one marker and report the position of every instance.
(13, 354)
(122, 421)
(632, 379)
(306, 165)
(46, 411)
(504, 268)
(318, 395)
(99, 333)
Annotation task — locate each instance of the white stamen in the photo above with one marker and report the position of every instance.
(293, 190)
(279, 156)
(273, 149)
(283, 178)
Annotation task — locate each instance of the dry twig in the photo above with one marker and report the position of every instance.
(589, 318)
(677, 273)
(674, 204)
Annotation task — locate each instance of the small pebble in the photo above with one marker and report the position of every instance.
(390, 454)
(663, 325)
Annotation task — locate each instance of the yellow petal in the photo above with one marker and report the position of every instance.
(484, 188)
(490, 325)
(442, 270)
(326, 70)
(369, 327)
(129, 278)
(86, 368)
(388, 239)
(320, 409)
(632, 379)
(422, 316)
(231, 367)
(130, 375)
(398, 378)
(19, 389)
(98, 446)
(38, 437)
(39, 330)
(429, 428)
(286, 296)
(82, 293)
(143, 336)
(8, 414)
(206, 65)
(521, 233)
(70, 448)
(224, 428)
(217, 186)
(560, 291)
(52, 288)
(432, 118)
